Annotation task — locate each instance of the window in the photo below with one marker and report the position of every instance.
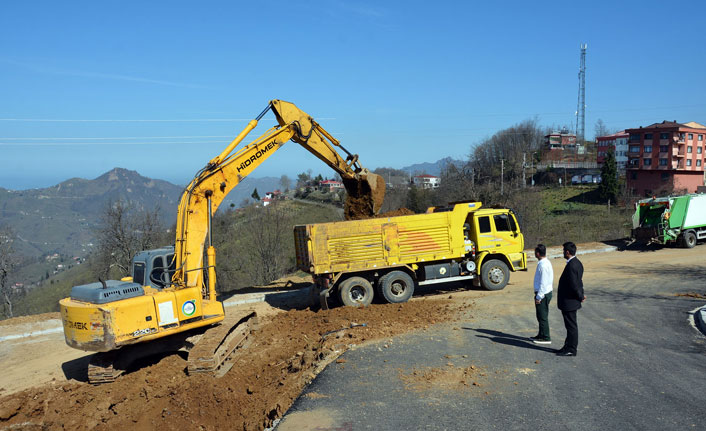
(688, 162)
(664, 136)
(647, 162)
(691, 136)
(663, 148)
(698, 150)
(157, 272)
(633, 175)
(635, 137)
(701, 137)
(682, 136)
(688, 149)
(484, 224)
(648, 148)
(634, 149)
(698, 162)
(138, 273)
(502, 224)
(663, 162)
(664, 176)
(648, 136)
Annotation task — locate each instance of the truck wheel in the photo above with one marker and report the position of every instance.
(495, 274)
(356, 292)
(396, 287)
(689, 239)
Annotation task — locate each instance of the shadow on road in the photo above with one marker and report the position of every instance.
(509, 339)
(673, 272)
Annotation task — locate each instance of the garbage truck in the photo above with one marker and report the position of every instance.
(670, 220)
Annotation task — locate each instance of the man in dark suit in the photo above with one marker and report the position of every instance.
(569, 298)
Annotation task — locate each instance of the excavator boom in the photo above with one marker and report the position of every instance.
(212, 184)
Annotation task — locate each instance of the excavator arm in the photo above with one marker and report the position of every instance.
(212, 184)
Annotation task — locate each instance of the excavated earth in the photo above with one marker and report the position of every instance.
(287, 352)
(360, 199)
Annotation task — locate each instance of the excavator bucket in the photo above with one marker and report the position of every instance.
(366, 193)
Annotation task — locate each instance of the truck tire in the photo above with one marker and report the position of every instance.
(396, 287)
(689, 239)
(356, 292)
(494, 274)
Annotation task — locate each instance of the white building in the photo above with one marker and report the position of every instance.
(427, 181)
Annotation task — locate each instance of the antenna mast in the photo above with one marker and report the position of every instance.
(581, 108)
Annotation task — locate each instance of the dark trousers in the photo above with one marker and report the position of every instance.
(542, 310)
(572, 331)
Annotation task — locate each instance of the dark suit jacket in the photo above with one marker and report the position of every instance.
(570, 290)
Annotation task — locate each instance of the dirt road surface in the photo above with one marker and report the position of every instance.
(44, 386)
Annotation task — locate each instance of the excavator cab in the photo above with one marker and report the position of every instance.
(154, 267)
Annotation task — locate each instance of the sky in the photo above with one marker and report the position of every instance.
(161, 87)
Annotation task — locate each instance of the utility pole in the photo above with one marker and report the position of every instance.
(502, 176)
(524, 167)
(581, 108)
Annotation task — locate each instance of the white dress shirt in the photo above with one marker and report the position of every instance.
(543, 278)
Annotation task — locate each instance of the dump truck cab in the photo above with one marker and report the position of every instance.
(497, 235)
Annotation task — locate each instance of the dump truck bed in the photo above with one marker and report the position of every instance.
(380, 242)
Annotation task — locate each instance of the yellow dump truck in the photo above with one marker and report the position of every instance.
(392, 255)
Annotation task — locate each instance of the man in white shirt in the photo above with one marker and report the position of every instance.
(543, 279)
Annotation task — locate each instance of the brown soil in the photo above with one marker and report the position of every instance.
(397, 213)
(361, 197)
(448, 378)
(285, 355)
(691, 295)
(30, 319)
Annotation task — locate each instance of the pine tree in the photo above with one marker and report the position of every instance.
(608, 189)
(255, 195)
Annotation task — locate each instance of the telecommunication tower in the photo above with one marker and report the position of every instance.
(581, 108)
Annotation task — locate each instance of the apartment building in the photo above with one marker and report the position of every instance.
(666, 157)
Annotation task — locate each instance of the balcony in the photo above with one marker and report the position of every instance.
(678, 152)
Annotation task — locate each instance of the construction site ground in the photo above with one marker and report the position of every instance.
(451, 357)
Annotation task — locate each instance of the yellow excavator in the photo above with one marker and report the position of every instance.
(169, 302)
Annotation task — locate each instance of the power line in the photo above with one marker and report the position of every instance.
(187, 120)
(66, 144)
(116, 138)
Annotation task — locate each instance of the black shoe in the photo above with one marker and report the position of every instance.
(565, 353)
(542, 341)
(534, 338)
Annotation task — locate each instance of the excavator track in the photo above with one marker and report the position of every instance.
(215, 351)
(101, 368)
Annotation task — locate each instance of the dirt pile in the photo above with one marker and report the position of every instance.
(285, 355)
(396, 213)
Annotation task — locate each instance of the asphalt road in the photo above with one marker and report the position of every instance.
(640, 365)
